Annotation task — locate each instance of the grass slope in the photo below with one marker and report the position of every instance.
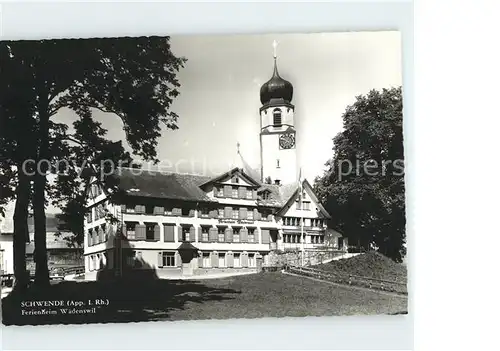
(371, 264)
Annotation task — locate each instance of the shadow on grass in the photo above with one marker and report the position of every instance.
(130, 300)
(138, 295)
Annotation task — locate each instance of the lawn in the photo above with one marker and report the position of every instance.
(280, 295)
(249, 296)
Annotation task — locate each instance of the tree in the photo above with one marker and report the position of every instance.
(363, 185)
(132, 78)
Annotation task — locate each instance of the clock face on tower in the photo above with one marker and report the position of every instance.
(287, 141)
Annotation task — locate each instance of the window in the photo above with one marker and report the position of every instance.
(236, 235)
(235, 193)
(237, 261)
(168, 259)
(222, 260)
(220, 192)
(130, 226)
(105, 232)
(185, 212)
(251, 260)
(265, 195)
(221, 235)
(149, 209)
(277, 163)
(251, 235)
(235, 179)
(250, 215)
(235, 214)
(221, 213)
(206, 260)
(277, 117)
(168, 211)
(130, 258)
(150, 231)
(130, 208)
(204, 233)
(185, 233)
(297, 203)
(204, 212)
(249, 194)
(306, 205)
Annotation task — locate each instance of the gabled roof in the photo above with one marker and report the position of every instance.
(237, 171)
(160, 184)
(291, 199)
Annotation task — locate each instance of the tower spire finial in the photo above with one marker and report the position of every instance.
(238, 147)
(275, 45)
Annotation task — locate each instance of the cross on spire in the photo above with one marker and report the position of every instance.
(238, 147)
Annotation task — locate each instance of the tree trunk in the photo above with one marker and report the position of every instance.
(21, 235)
(40, 254)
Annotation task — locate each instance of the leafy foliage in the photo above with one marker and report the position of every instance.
(363, 185)
(132, 78)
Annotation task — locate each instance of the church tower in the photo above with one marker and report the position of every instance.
(278, 151)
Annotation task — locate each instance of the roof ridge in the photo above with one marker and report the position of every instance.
(167, 172)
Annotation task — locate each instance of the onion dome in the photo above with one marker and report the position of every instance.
(276, 88)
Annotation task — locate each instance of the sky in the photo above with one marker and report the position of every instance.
(219, 103)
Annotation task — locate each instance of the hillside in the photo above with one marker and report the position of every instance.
(371, 264)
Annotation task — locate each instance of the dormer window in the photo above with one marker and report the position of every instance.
(277, 117)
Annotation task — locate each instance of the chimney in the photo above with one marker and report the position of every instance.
(277, 182)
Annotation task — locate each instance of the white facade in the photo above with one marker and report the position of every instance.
(278, 143)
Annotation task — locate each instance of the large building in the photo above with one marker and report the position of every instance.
(184, 224)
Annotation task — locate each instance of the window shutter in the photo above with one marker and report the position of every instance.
(140, 232)
(244, 235)
(169, 233)
(191, 213)
(265, 236)
(254, 194)
(178, 261)
(158, 210)
(216, 190)
(176, 211)
(213, 214)
(138, 209)
(101, 234)
(227, 190)
(215, 259)
(94, 236)
(179, 234)
(200, 260)
(160, 259)
(212, 234)
(123, 208)
(256, 215)
(228, 235)
(244, 259)
(200, 234)
(192, 233)
(228, 211)
(243, 213)
(242, 192)
(230, 260)
(157, 232)
(270, 217)
(124, 230)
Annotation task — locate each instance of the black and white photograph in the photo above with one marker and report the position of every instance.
(198, 177)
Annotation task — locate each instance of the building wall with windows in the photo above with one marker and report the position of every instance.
(228, 219)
